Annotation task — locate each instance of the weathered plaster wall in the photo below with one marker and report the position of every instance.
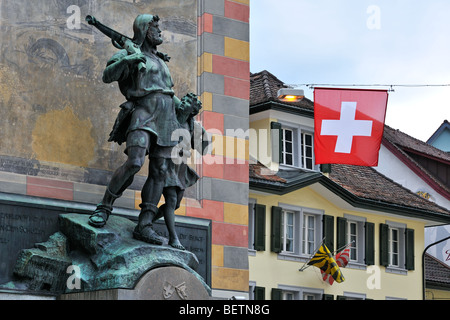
(54, 107)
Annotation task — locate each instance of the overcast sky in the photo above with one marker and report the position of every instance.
(362, 42)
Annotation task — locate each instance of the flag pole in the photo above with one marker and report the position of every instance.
(343, 247)
(312, 255)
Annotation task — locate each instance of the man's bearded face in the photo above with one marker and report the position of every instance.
(154, 34)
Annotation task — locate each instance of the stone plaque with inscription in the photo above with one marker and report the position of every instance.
(196, 238)
(25, 222)
(22, 226)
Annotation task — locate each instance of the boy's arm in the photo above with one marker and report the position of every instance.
(200, 139)
(177, 103)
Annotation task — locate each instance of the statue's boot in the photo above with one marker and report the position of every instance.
(100, 216)
(144, 230)
(159, 214)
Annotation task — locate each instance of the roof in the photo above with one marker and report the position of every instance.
(407, 149)
(444, 126)
(437, 274)
(261, 173)
(282, 181)
(264, 88)
(367, 183)
(407, 142)
(362, 187)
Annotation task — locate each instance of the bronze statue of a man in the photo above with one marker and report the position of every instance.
(146, 123)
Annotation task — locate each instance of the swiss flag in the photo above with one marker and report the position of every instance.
(348, 125)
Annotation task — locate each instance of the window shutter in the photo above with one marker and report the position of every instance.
(384, 245)
(275, 241)
(260, 293)
(328, 231)
(341, 232)
(276, 294)
(260, 227)
(327, 297)
(409, 247)
(277, 142)
(369, 244)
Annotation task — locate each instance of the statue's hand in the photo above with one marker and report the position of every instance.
(136, 58)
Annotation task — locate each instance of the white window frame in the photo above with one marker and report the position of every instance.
(308, 295)
(400, 266)
(289, 295)
(306, 235)
(298, 230)
(394, 247)
(286, 225)
(303, 146)
(251, 290)
(293, 152)
(299, 293)
(360, 239)
(354, 296)
(298, 152)
(352, 237)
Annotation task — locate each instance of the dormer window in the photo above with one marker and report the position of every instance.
(297, 146)
(307, 146)
(287, 149)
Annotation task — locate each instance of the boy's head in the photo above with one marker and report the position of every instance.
(191, 104)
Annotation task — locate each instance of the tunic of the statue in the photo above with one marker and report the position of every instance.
(153, 101)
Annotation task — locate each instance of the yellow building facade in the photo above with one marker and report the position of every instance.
(281, 270)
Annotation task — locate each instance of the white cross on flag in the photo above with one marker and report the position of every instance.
(348, 125)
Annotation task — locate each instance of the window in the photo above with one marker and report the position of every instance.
(288, 231)
(309, 239)
(288, 295)
(295, 231)
(287, 149)
(307, 142)
(296, 145)
(356, 232)
(394, 245)
(309, 296)
(353, 239)
(285, 292)
(352, 296)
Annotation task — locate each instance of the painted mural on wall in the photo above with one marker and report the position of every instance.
(55, 112)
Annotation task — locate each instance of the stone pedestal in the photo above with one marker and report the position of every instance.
(165, 283)
(82, 262)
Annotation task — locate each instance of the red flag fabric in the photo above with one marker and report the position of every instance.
(348, 125)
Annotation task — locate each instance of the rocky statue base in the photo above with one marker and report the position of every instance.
(82, 262)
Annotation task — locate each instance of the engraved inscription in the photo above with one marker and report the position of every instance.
(195, 239)
(21, 227)
(192, 243)
(23, 224)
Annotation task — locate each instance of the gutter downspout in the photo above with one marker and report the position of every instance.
(423, 263)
